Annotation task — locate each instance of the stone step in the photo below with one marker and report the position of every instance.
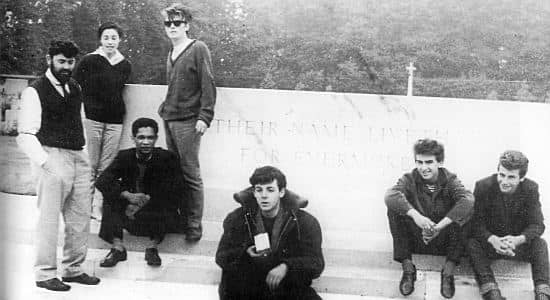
(196, 270)
(364, 268)
(367, 258)
(131, 279)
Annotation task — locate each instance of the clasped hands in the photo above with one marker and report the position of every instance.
(275, 275)
(137, 201)
(506, 245)
(430, 230)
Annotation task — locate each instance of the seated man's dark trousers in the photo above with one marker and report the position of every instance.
(407, 239)
(534, 252)
(148, 221)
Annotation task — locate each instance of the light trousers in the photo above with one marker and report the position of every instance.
(102, 144)
(63, 188)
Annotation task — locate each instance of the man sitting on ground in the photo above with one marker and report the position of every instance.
(507, 224)
(426, 209)
(270, 248)
(141, 190)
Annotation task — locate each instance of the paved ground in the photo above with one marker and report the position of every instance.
(188, 272)
(19, 282)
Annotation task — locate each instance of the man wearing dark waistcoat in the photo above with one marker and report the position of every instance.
(51, 134)
(508, 224)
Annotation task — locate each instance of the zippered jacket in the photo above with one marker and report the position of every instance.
(298, 243)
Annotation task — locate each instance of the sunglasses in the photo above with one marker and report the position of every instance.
(176, 23)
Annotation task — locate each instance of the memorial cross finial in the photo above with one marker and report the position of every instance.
(411, 70)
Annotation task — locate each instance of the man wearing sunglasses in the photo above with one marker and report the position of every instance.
(187, 110)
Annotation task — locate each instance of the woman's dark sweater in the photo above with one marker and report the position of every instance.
(102, 85)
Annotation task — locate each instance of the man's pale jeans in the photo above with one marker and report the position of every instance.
(63, 187)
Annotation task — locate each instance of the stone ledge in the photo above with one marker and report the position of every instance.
(363, 250)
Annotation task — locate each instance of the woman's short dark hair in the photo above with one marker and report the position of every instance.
(267, 174)
(109, 25)
(67, 48)
(429, 147)
(142, 123)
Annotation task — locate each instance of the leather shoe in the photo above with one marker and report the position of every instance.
(82, 279)
(493, 295)
(406, 286)
(53, 284)
(152, 257)
(447, 285)
(113, 257)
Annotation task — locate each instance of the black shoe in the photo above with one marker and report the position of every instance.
(53, 284)
(447, 286)
(193, 235)
(113, 257)
(82, 279)
(152, 257)
(493, 295)
(406, 286)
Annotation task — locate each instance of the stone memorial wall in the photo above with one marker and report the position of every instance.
(343, 151)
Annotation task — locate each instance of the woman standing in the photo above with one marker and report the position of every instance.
(102, 75)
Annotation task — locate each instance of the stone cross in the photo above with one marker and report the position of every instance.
(411, 70)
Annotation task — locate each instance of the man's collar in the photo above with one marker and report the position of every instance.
(52, 78)
(118, 57)
(141, 158)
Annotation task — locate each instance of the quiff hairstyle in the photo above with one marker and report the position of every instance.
(177, 10)
(514, 160)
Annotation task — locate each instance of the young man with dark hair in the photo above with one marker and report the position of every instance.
(51, 134)
(426, 210)
(187, 110)
(141, 189)
(270, 247)
(508, 224)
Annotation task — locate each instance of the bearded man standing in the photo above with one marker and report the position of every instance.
(51, 134)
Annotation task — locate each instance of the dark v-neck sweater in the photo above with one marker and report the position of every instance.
(102, 85)
(191, 88)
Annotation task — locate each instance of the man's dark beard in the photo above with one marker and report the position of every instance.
(62, 75)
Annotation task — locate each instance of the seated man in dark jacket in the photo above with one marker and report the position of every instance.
(270, 248)
(141, 190)
(426, 210)
(507, 224)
